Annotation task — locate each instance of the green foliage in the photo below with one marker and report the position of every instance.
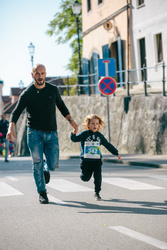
(64, 28)
(72, 90)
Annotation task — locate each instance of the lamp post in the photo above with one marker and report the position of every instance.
(76, 8)
(31, 48)
(21, 84)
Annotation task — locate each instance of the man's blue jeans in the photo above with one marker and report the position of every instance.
(41, 143)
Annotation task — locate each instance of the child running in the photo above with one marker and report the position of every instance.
(90, 141)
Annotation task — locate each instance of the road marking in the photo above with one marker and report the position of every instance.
(7, 190)
(139, 236)
(67, 186)
(55, 200)
(129, 184)
(11, 178)
(161, 177)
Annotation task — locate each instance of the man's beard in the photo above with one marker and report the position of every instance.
(39, 84)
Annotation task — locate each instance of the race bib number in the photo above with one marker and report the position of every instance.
(92, 150)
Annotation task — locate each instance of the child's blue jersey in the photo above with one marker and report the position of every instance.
(89, 136)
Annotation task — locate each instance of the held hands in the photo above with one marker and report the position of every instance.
(75, 126)
(119, 157)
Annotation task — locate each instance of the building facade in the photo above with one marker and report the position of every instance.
(105, 34)
(149, 25)
(132, 32)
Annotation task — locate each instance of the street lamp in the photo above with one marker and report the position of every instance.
(76, 8)
(31, 48)
(21, 84)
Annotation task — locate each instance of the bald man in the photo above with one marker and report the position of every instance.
(40, 100)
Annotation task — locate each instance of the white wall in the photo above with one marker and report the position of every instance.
(148, 21)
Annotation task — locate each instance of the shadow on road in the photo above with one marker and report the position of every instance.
(152, 208)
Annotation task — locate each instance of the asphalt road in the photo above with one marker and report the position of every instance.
(132, 215)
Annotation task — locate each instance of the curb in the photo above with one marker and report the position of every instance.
(132, 163)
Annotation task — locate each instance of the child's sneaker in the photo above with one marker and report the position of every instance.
(97, 197)
(47, 176)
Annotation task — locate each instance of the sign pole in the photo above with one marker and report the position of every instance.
(107, 86)
(108, 115)
(108, 108)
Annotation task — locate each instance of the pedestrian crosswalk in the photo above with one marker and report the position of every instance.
(8, 190)
(65, 186)
(12, 178)
(56, 200)
(130, 184)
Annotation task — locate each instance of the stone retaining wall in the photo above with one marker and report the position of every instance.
(142, 129)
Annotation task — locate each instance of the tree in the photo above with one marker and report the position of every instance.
(64, 28)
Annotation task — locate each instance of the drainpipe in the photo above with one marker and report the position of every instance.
(128, 47)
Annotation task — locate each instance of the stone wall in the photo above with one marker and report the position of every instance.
(142, 129)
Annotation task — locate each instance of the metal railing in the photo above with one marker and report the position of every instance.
(131, 77)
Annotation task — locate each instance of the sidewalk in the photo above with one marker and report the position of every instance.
(156, 161)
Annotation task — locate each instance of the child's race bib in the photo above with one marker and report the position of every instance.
(92, 150)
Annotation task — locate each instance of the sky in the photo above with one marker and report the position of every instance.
(22, 22)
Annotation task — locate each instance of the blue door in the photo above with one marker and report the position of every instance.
(85, 66)
(95, 58)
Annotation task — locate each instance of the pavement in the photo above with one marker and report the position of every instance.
(155, 161)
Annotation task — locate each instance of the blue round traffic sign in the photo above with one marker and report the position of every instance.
(107, 85)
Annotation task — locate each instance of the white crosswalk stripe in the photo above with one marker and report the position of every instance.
(7, 190)
(11, 178)
(67, 186)
(55, 200)
(129, 184)
(141, 237)
(160, 177)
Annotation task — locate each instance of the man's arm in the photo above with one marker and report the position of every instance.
(72, 123)
(11, 132)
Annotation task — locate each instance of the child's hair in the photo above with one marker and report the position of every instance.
(90, 117)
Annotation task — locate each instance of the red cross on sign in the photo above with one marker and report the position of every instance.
(107, 85)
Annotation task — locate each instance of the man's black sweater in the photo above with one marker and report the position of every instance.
(40, 105)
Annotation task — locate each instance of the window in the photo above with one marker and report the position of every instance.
(85, 69)
(105, 51)
(140, 2)
(99, 2)
(94, 70)
(159, 47)
(143, 62)
(88, 5)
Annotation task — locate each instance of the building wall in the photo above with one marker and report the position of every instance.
(99, 36)
(147, 21)
(98, 13)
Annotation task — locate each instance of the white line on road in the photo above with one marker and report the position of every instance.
(11, 178)
(161, 177)
(57, 201)
(7, 190)
(129, 184)
(67, 186)
(139, 236)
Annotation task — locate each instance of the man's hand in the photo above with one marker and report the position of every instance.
(75, 126)
(11, 133)
(119, 157)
